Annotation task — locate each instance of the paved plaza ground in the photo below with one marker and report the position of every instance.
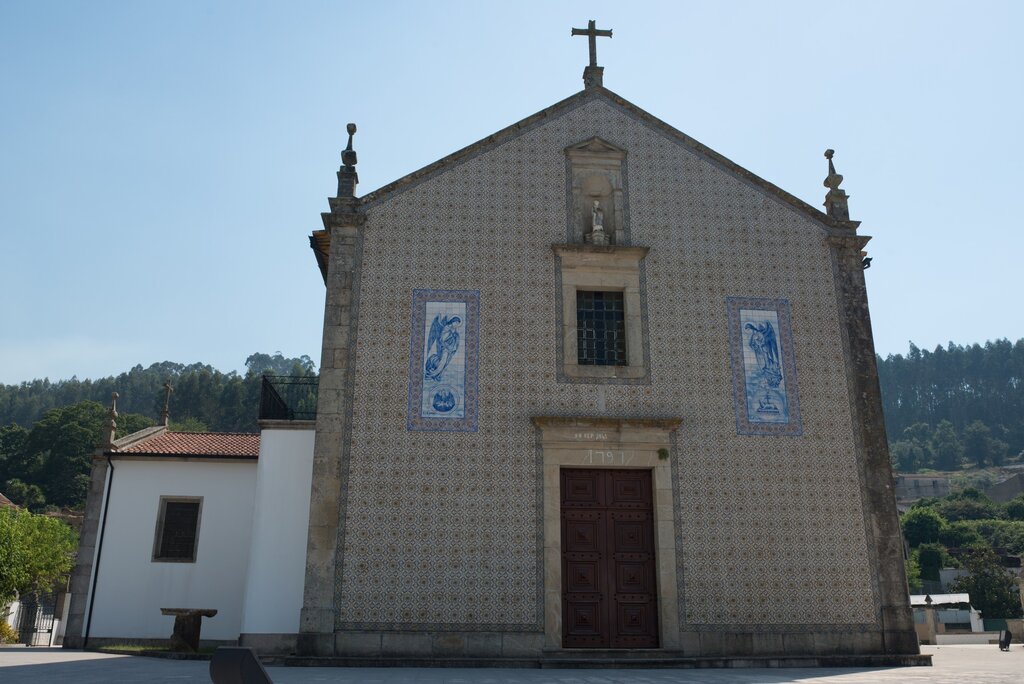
(952, 664)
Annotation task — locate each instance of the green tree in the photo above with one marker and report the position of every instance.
(907, 456)
(1001, 534)
(931, 558)
(12, 439)
(998, 449)
(922, 526)
(948, 450)
(981, 446)
(36, 552)
(264, 364)
(913, 574)
(13, 461)
(63, 442)
(977, 443)
(189, 424)
(959, 534)
(919, 433)
(1014, 508)
(128, 423)
(992, 588)
(914, 446)
(58, 450)
(26, 495)
(969, 504)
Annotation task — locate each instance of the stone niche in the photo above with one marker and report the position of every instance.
(595, 169)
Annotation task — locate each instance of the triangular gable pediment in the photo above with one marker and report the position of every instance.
(596, 146)
(583, 97)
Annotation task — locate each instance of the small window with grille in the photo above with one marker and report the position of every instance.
(600, 329)
(177, 530)
(601, 315)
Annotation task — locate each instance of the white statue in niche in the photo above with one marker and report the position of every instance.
(596, 195)
(597, 234)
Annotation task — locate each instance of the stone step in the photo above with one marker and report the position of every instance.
(612, 659)
(636, 661)
(603, 653)
(395, 661)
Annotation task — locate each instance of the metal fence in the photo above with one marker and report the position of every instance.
(288, 397)
(34, 620)
(996, 625)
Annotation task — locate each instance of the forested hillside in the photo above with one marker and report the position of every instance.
(222, 402)
(954, 407)
(49, 431)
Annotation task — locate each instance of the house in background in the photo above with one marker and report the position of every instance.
(911, 487)
(936, 615)
(1007, 489)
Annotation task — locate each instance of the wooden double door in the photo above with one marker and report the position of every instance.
(609, 593)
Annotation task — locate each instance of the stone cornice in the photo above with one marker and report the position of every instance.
(606, 422)
(342, 216)
(637, 253)
(175, 457)
(345, 213)
(268, 424)
(848, 241)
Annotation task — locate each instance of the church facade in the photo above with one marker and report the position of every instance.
(587, 384)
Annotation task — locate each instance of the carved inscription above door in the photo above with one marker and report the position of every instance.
(608, 585)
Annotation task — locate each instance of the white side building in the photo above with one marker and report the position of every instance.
(194, 520)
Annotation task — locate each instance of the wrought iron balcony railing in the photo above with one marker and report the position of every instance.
(286, 397)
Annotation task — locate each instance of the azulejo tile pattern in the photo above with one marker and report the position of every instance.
(443, 353)
(441, 528)
(767, 399)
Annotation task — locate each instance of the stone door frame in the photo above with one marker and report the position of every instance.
(609, 443)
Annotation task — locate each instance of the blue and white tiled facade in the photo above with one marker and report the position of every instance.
(442, 526)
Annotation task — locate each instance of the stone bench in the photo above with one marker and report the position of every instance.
(187, 625)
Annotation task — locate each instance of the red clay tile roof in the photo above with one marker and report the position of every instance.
(4, 501)
(226, 444)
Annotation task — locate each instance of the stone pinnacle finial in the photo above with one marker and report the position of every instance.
(348, 157)
(347, 176)
(836, 200)
(165, 415)
(111, 428)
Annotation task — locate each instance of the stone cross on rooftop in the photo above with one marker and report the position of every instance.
(592, 32)
(593, 74)
(165, 415)
(110, 431)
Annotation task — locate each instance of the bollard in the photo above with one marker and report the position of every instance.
(237, 665)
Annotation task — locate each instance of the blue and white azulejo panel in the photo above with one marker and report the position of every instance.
(443, 354)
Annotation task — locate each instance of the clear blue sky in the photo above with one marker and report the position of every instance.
(162, 163)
